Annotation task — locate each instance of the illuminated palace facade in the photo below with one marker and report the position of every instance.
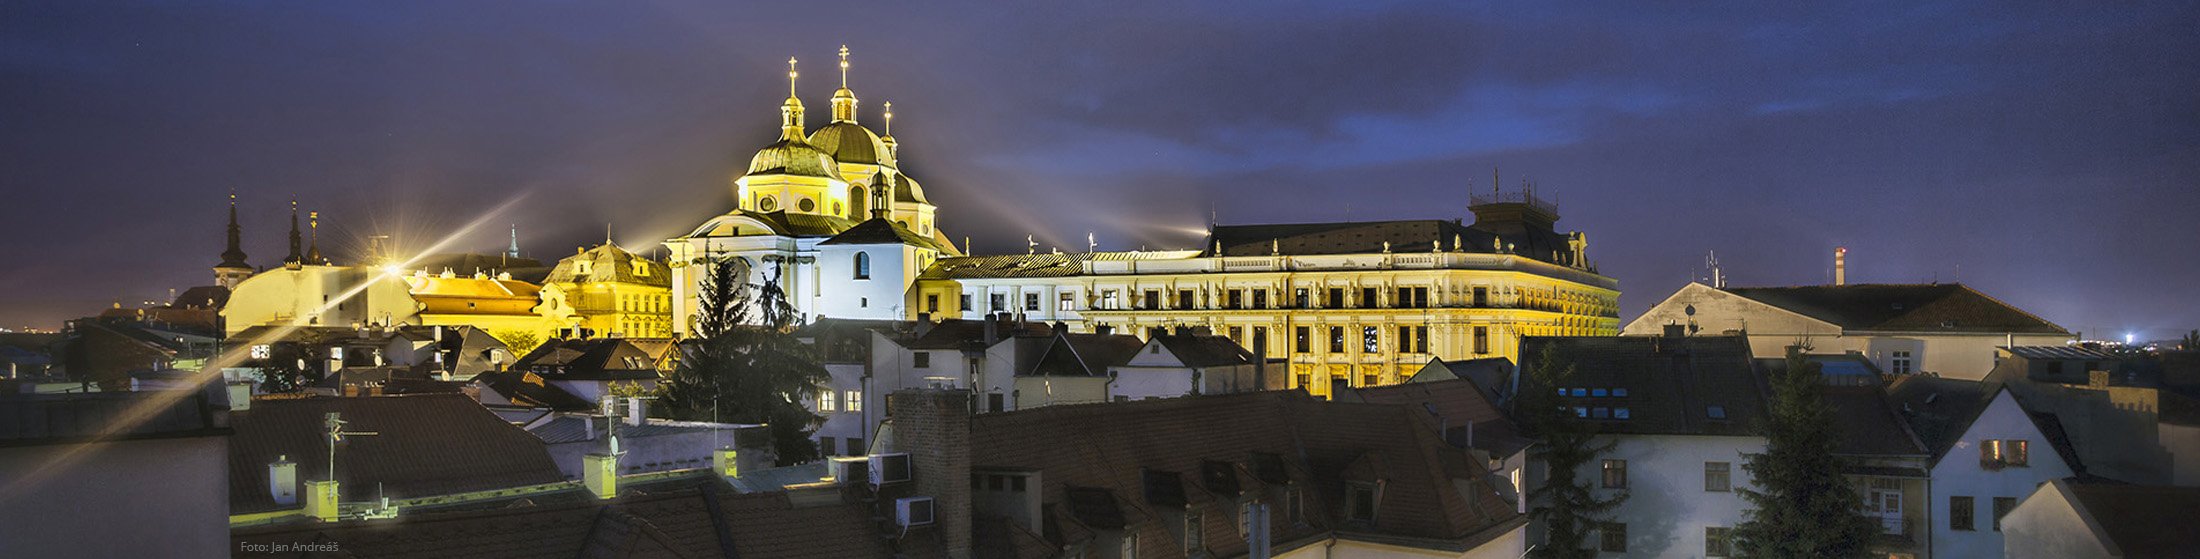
(1362, 303)
(828, 214)
(832, 217)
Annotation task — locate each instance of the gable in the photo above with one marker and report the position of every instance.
(2005, 419)
(1714, 312)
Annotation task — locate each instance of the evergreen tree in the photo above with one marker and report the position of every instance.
(1804, 506)
(738, 370)
(1565, 504)
(2191, 341)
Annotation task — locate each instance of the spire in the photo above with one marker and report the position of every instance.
(513, 251)
(893, 149)
(313, 249)
(790, 112)
(295, 256)
(233, 255)
(844, 100)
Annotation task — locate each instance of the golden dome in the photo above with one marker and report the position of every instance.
(907, 190)
(849, 142)
(795, 157)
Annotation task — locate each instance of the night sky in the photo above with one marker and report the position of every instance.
(2046, 154)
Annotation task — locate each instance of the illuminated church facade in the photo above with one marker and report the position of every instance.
(830, 215)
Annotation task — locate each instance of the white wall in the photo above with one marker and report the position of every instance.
(1669, 509)
(2045, 526)
(882, 296)
(2183, 443)
(1959, 474)
(141, 498)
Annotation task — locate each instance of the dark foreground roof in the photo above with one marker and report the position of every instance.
(706, 521)
(1198, 350)
(425, 445)
(1702, 385)
(45, 419)
(1940, 307)
(1203, 451)
(2143, 521)
(1455, 405)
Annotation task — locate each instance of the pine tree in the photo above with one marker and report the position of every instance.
(1565, 504)
(2191, 341)
(741, 371)
(1804, 506)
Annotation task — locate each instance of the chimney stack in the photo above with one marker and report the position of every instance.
(321, 500)
(1841, 265)
(933, 426)
(637, 411)
(600, 472)
(282, 480)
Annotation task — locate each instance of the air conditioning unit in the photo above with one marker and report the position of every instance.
(848, 470)
(913, 511)
(889, 468)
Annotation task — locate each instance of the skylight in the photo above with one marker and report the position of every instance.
(1716, 412)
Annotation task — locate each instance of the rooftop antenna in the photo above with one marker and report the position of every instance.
(1718, 277)
(334, 422)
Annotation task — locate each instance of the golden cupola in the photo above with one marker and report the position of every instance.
(843, 139)
(792, 155)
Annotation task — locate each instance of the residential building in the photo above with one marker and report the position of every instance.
(646, 445)
(117, 474)
(1465, 416)
(1988, 453)
(614, 292)
(1365, 303)
(357, 296)
(1681, 415)
(1887, 464)
(1196, 477)
(1189, 362)
(1949, 330)
(2123, 427)
(2068, 520)
(590, 369)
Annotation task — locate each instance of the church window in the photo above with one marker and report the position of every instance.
(807, 205)
(863, 265)
(767, 204)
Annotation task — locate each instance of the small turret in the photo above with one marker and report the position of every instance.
(296, 240)
(233, 267)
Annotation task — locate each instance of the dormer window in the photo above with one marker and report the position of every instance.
(1715, 412)
(1359, 501)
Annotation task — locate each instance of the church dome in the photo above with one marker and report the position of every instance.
(849, 142)
(907, 190)
(794, 157)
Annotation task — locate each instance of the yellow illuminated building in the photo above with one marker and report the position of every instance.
(615, 292)
(1361, 303)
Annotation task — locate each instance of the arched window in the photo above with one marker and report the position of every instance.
(859, 202)
(863, 265)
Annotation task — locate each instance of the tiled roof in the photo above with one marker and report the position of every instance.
(2143, 520)
(1347, 237)
(589, 359)
(1096, 459)
(1946, 307)
(959, 334)
(1051, 265)
(608, 262)
(427, 444)
(1702, 385)
(202, 297)
(2061, 353)
(529, 389)
(1453, 405)
(880, 231)
(1493, 375)
(1868, 424)
(45, 419)
(1939, 409)
(1197, 350)
(1084, 355)
(570, 429)
(706, 521)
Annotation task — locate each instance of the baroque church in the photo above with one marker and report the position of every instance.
(823, 211)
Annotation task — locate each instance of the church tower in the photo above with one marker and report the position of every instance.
(791, 175)
(232, 268)
(296, 241)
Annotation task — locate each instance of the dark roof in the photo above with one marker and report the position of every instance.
(47, 419)
(1102, 474)
(957, 333)
(1939, 409)
(703, 521)
(1868, 425)
(2143, 520)
(1944, 307)
(425, 445)
(2061, 353)
(202, 297)
(571, 429)
(589, 359)
(532, 390)
(1453, 405)
(802, 224)
(1348, 237)
(466, 263)
(1493, 375)
(1084, 355)
(880, 231)
(608, 262)
(1200, 351)
(1674, 386)
(1052, 265)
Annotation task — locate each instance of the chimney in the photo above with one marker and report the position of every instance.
(726, 462)
(1841, 265)
(600, 472)
(752, 449)
(924, 324)
(933, 426)
(321, 500)
(992, 329)
(637, 411)
(1181, 330)
(282, 480)
(1059, 327)
(2096, 379)
(240, 396)
(1103, 329)
(1260, 362)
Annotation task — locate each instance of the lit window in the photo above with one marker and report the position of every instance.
(1621, 413)
(854, 401)
(2016, 453)
(826, 399)
(261, 351)
(1067, 301)
(1990, 454)
(1111, 300)
(1370, 339)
